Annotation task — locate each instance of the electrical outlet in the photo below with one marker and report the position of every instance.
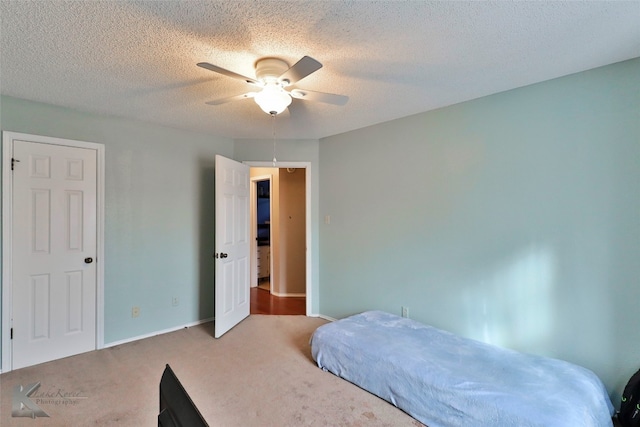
(135, 311)
(175, 301)
(405, 311)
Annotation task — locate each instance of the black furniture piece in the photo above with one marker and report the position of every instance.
(176, 407)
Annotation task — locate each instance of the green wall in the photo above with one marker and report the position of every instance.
(159, 213)
(513, 219)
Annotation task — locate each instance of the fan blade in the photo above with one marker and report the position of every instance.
(232, 98)
(300, 70)
(227, 73)
(327, 98)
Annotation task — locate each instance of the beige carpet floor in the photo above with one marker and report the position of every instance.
(258, 374)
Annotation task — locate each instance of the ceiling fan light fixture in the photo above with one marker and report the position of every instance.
(273, 99)
(273, 75)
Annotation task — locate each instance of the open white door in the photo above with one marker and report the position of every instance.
(232, 244)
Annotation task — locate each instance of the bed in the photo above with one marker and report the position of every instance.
(442, 379)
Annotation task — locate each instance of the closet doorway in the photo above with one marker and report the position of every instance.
(279, 240)
(263, 232)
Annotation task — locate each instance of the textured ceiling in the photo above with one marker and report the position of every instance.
(137, 59)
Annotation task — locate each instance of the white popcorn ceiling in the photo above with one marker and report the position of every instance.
(137, 59)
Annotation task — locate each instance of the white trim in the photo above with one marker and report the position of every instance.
(7, 210)
(309, 258)
(322, 316)
(286, 295)
(7, 196)
(162, 332)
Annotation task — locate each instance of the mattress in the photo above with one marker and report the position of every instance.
(442, 379)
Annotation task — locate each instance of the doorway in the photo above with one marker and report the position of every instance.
(279, 240)
(261, 229)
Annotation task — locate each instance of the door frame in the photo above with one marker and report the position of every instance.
(7, 227)
(308, 234)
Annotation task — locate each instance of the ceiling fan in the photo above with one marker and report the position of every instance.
(275, 78)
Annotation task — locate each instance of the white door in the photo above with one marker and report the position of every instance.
(232, 244)
(53, 251)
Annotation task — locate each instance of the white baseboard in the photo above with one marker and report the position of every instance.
(288, 295)
(322, 316)
(153, 334)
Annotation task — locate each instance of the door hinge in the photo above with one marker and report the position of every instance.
(13, 162)
(11, 334)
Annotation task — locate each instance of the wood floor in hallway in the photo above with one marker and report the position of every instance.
(262, 302)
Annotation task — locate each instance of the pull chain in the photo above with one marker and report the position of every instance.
(273, 127)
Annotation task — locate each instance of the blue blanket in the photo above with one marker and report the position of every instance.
(442, 379)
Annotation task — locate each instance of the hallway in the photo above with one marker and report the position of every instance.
(262, 302)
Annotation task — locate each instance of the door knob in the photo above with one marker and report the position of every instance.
(223, 255)
(88, 260)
